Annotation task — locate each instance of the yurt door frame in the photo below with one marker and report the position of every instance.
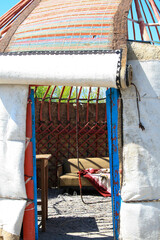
(112, 96)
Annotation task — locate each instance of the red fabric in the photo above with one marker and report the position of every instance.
(89, 174)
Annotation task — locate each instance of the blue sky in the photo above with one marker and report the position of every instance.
(5, 5)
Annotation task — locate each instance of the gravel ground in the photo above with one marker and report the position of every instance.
(69, 218)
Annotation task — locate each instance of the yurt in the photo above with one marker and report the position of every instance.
(80, 79)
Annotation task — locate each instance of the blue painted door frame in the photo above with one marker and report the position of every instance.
(34, 162)
(112, 96)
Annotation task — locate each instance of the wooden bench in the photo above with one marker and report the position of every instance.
(67, 173)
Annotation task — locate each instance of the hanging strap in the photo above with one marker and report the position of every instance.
(138, 98)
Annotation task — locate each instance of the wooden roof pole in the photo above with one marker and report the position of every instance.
(6, 18)
(143, 30)
(149, 29)
(155, 10)
(7, 25)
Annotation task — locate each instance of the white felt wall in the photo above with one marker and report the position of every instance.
(13, 101)
(141, 155)
(141, 151)
(95, 70)
(140, 221)
(11, 215)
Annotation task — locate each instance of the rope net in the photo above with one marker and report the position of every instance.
(143, 19)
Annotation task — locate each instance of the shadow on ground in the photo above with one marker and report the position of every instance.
(67, 237)
(66, 228)
(70, 219)
(74, 224)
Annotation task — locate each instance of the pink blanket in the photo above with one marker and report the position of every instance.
(99, 178)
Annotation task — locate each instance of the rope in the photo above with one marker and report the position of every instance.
(16, 198)
(77, 150)
(138, 100)
(30, 178)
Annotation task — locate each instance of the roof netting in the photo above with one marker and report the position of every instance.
(66, 25)
(78, 23)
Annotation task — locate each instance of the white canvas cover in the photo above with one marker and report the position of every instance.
(11, 216)
(140, 213)
(17, 72)
(141, 151)
(95, 70)
(13, 102)
(140, 221)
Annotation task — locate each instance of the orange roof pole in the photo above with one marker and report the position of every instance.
(146, 20)
(134, 33)
(9, 17)
(50, 117)
(155, 9)
(143, 30)
(12, 12)
(42, 102)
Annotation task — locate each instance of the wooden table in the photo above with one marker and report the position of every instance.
(42, 164)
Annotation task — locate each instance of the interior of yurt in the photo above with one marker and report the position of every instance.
(79, 120)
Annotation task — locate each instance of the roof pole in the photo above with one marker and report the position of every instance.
(143, 30)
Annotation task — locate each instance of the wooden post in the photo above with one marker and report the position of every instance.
(29, 215)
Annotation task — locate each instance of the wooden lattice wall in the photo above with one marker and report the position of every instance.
(58, 136)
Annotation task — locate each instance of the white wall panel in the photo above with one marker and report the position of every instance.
(141, 151)
(13, 102)
(140, 221)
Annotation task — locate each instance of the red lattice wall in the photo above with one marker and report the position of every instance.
(56, 132)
